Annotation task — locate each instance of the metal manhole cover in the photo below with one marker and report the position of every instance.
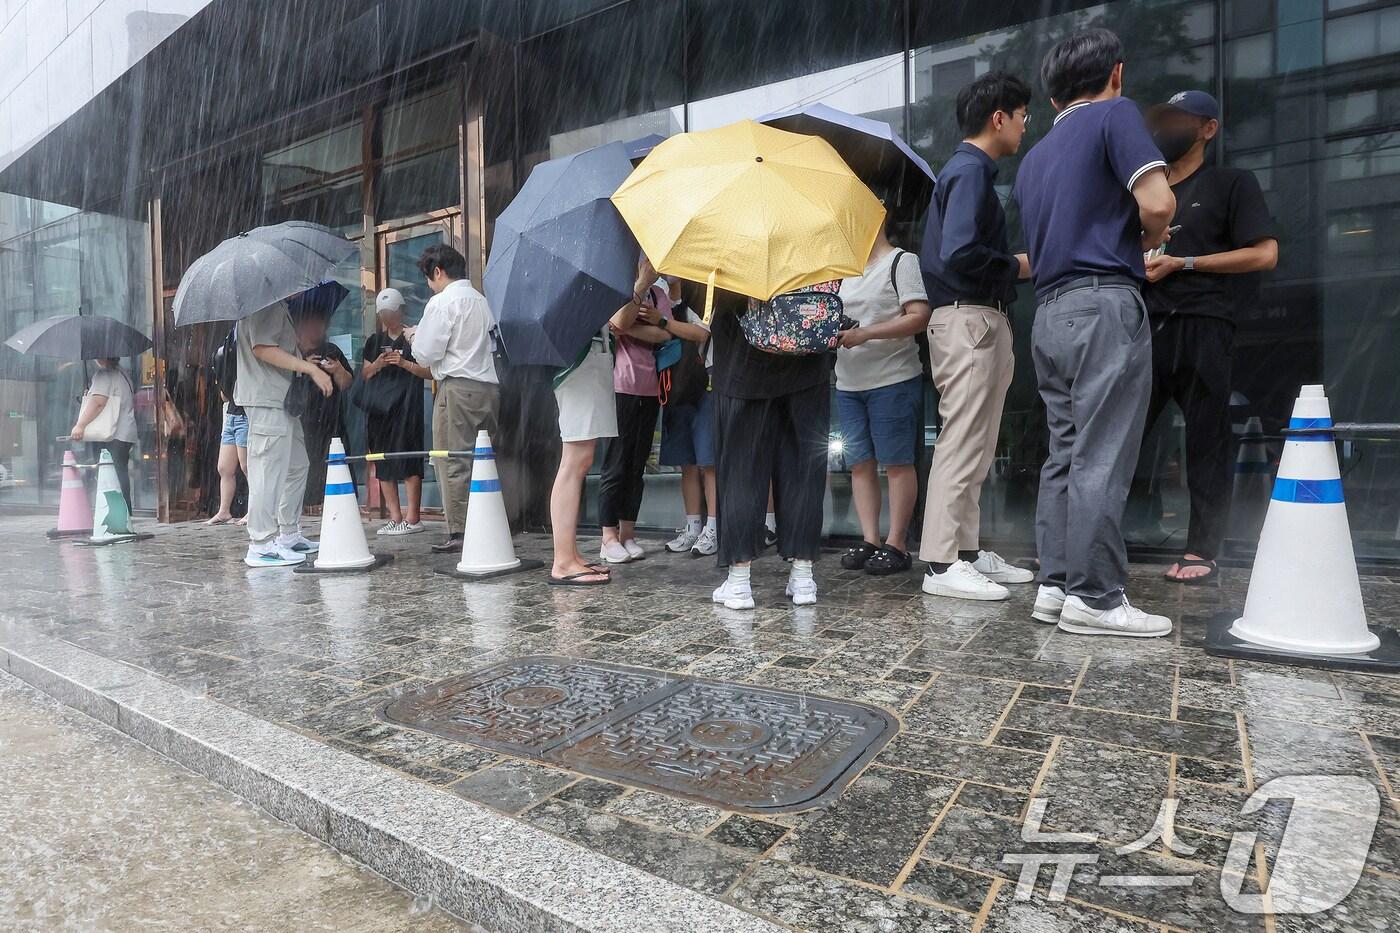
(731, 745)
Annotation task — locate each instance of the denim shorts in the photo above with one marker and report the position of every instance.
(235, 431)
(688, 433)
(882, 424)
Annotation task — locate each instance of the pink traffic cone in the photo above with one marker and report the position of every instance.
(74, 513)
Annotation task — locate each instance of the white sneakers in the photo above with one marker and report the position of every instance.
(963, 581)
(684, 540)
(707, 544)
(270, 554)
(614, 553)
(297, 542)
(634, 550)
(734, 594)
(1124, 619)
(802, 591)
(1049, 600)
(994, 567)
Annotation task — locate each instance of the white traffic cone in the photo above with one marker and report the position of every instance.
(1304, 600)
(342, 540)
(487, 549)
(1253, 482)
(111, 520)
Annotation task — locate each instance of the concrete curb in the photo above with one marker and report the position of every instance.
(477, 864)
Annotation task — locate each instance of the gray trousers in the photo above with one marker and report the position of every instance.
(1093, 362)
(277, 466)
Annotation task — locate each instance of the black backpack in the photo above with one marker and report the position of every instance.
(226, 367)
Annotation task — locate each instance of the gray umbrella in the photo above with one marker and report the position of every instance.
(246, 273)
(562, 259)
(80, 337)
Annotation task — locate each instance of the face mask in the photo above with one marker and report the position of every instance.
(1174, 143)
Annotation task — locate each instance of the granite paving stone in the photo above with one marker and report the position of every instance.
(871, 832)
(983, 695)
(810, 900)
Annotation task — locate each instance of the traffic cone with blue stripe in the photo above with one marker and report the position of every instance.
(487, 549)
(1304, 601)
(342, 540)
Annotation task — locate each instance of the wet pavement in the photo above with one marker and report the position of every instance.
(102, 833)
(995, 710)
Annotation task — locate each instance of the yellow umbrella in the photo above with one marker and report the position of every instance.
(750, 208)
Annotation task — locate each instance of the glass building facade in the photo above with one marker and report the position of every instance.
(415, 121)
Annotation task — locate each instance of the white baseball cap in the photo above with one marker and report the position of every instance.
(391, 299)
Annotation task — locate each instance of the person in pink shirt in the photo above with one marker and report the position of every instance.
(624, 463)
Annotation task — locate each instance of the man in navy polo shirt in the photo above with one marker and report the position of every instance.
(1093, 195)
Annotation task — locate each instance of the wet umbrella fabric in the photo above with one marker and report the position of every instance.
(875, 152)
(80, 337)
(248, 272)
(562, 259)
(639, 149)
(321, 300)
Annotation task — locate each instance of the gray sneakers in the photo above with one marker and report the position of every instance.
(1124, 620)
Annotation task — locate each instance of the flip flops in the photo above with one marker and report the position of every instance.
(1206, 579)
(213, 520)
(576, 579)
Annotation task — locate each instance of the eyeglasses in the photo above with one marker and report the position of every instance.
(1025, 118)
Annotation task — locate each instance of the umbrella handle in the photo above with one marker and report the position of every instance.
(710, 296)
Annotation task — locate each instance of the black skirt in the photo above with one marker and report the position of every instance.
(402, 428)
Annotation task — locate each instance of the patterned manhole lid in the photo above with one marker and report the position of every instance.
(730, 745)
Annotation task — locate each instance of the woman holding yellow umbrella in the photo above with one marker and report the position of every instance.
(761, 212)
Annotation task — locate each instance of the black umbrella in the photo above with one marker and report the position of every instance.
(80, 337)
(562, 259)
(246, 273)
(874, 151)
(322, 300)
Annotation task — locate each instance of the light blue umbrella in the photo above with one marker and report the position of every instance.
(562, 259)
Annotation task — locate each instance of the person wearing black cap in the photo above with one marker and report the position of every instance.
(1225, 230)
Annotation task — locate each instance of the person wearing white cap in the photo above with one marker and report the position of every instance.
(392, 397)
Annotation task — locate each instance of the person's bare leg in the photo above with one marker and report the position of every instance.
(228, 483)
(904, 491)
(627, 531)
(413, 511)
(865, 492)
(691, 490)
(564, 498)
(711, 492)
(389, 490)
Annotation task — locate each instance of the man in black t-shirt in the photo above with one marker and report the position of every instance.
(1225, 230)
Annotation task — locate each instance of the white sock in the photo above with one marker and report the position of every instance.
(801, 570)
(739, 575)
(710, 523)
(771, 520)
(692, 524)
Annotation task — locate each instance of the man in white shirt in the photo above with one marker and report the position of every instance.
(454, 340)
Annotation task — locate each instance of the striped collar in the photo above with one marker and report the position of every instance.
(1069, 110)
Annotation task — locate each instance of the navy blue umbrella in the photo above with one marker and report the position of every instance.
(874, 151)
(639, 149)
(321, 300)
(562, 259)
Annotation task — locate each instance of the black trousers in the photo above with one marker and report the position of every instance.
(625, 461)
(121, 459)
(1191, 362)
(782, 441)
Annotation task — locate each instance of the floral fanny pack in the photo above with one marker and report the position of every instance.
(798, 323)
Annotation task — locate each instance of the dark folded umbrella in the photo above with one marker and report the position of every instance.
(872, 149)
(248, 272)
(562, 259)
(320, 299)
(80, 337)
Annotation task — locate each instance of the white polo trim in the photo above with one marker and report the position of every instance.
(1146, 168)
(1069, 110)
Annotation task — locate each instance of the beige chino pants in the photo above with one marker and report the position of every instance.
(970, 353)
(461, 408)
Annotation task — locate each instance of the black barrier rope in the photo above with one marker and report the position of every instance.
(1380, 430)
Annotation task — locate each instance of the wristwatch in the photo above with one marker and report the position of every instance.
(664, 324)
(1189, 264)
